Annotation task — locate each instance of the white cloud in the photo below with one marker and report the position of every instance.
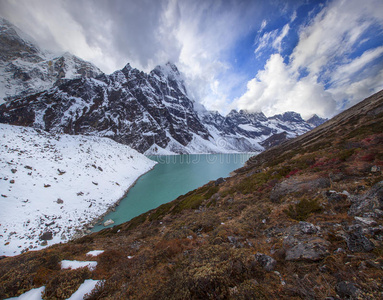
(277, 89)
(263, 25)
(332, 34)
(358, 90)
(271, 39)
(323, 75)
(277, 43)
(344, 73)
(265, 40)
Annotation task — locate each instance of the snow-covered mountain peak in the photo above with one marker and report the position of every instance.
(315, 120)
(27, 69)
(289, 116)
(169, 73)
(169, 70)
(127, 68)
(244, 116)
(14, 44)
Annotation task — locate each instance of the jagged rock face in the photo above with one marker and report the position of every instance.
(12, 46)
(129, 106)
(147, 112)
(248, 131)
(152, 112)
(26, 69)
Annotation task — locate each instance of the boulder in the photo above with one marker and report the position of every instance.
(307, 228)
(295, 185)
(219, 181)
(335, 197)
(108, 222)
(366, 205)
(357, 242)
(46, 236)
(346, 290)
(267, 262)
(309, 249)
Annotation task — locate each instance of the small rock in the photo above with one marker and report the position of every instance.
(47, 185)
(219, 181)
(12, 181)
(100, 169)
(375, 169)
(61, 172)
(307, 228)
(108, 222)
(13, 171)
(340, 250)
(59, 201)
(235, 241)
(267, 262)
(357, 242)
(346, 289)
(366, 221)
(46, 236)
(95, 183)
(334, 197)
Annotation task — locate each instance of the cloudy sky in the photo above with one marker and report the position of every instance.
(271, 56)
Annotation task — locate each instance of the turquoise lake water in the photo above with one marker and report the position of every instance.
(173, 176)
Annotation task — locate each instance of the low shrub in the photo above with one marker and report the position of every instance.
(301, 210)
(160, 211)
(65, 283)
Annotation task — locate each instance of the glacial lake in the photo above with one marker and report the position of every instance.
(173, 176)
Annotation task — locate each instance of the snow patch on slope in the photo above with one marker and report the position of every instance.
(52, 185)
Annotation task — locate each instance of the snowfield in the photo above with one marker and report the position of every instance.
(51, 186)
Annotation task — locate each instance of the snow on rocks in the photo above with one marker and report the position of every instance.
(34, 294)
(85, 288)
(75, 264)
(95, 252)
(47, 185)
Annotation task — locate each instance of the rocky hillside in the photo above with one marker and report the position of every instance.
(300, 221)
(26, 69)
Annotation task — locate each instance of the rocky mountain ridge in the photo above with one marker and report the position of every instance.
(152, 113)
(26, 69)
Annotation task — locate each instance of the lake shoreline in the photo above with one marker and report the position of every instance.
(173, 176)
(86, 228)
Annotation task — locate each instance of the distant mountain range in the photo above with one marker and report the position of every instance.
(152, 112)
